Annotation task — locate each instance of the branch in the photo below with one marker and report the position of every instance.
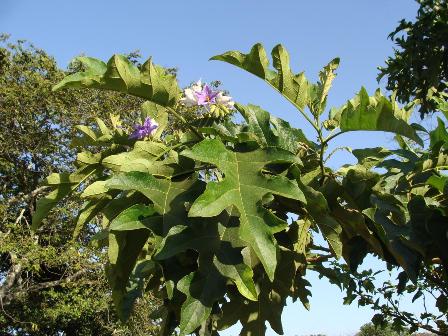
(23, 197)
(11, 278)
(320, 248)
(49, 284)
(55, 283)
(182, 119)
(394, 311)
(319, 258)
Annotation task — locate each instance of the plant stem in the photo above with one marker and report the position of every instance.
(316, 127)
(167, 150)
(332, 137)
(182, 119)
(321, 156)
(194, 170)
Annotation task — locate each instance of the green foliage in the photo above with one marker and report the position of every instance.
(294, 87)
(420, 62)
(410, 205)
(244, 187)
(220, 218)
(49, 283)
(371, 330)
(150, 82)
(376, 113)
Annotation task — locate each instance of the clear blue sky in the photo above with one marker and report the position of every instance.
(185, 34)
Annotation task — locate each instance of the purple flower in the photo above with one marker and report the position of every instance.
(142, 131)
(207, 96)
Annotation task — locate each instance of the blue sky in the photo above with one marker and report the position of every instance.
(185, 34)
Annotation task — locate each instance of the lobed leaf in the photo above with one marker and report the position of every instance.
(244, 187)
(65, 184)
(374, 113)
(294, 87)
(149, 82)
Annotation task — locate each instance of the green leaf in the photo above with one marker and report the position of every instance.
(169, 197)
(289, 138)
(119, 204)
(393, 236)
(374, 113)
(132, 218)
(258, 121)
(157, 113)
(149, 157)
(294, 87)
(225, 129)
(320, 91)
(125, 300)
(65, 184)
(442, 105)
(95, 65)
(56, 179)
(358, 183)
(438, 182)
(354, 225)
(302, 235)
(282, 135)
(95, 189)
(253, 315)
(218, 243)
(244, 186)
(105, 131)
(317, 207)
(45, 204)
(151, 82)
(202, 290)
(89, 135)
(124, 249)
(439, 135)
(88, 211)
(88, 158)
(369, 157)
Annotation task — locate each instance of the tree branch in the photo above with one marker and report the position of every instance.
(23, 197)
(11, 279)
(49, 284)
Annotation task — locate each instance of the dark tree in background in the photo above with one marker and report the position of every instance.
(371, 330)
(50, 284)
(420, 61)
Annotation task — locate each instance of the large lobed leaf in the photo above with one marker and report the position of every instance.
(374, 113)
(244, 187)
(271, 131)
(64, 184)
(294, 87)
(219, 261)
(149, 82)
(169, 197)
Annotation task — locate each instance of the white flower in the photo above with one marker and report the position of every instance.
(190, 98)
(197, 93)
(197, 87)
(224, 100)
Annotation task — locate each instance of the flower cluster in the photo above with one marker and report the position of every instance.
(144, 130)
(202, 95)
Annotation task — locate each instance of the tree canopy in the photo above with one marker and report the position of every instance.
(420, 61)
